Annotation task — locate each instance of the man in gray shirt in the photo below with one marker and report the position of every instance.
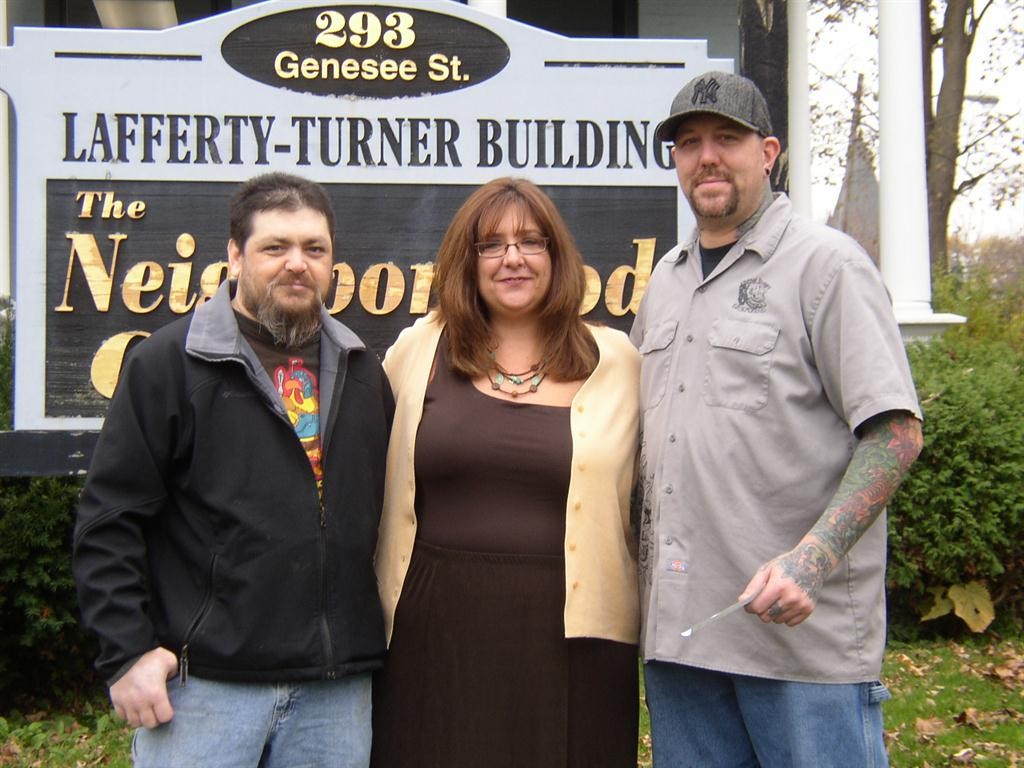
(779, 418)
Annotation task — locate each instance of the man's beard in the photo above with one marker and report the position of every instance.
(289, 329)
(715, 208)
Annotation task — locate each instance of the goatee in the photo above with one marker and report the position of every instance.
(289, 329)
(716, 208)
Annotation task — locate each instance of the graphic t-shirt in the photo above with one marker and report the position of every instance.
(295, 375)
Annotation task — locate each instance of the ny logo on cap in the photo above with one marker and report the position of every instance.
(705, 91)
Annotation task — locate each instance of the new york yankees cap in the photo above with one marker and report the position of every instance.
(718, 93)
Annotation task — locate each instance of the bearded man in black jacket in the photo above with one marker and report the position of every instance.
(226, 530)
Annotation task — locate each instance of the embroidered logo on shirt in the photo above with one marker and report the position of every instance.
(751, 296)
(677, 566)
(705, 91)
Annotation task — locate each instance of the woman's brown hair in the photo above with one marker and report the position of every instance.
(569, 347)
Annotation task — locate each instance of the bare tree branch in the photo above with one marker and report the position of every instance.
(1002, 122)
(968, 184)
(968, 148)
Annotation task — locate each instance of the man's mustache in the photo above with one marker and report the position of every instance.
(303, 279)
(712, 173)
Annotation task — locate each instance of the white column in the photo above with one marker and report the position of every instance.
(799, 108)
(5, 176)
(903, 190)
(493, 7)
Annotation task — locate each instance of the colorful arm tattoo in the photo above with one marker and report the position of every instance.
(888, 446)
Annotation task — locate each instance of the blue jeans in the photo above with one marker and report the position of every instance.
(261, 725)
(711, 719)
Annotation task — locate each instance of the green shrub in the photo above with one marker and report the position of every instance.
(959, 514)
(44, 655)
(994, 310)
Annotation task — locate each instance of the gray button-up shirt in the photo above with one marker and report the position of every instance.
(754, 381)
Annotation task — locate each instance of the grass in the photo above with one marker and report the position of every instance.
(954, 704)
(92, 736)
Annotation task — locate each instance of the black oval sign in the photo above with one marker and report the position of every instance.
(376, 51)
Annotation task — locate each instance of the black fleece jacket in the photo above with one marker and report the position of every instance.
(200, 528)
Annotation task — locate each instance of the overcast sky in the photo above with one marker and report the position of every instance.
(851, 47)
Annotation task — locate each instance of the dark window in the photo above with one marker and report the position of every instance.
(578, 18)
(82, 13)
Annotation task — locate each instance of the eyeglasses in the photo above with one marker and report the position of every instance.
(528, 246)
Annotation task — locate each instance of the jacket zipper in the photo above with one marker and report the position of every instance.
(207, 599)
(324, 626)
(325, 629)
(325, 432)
(183, 666)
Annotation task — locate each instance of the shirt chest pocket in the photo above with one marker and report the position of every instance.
(739, 362)
(656, 350)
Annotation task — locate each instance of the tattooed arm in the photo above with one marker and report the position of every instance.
(888, 446)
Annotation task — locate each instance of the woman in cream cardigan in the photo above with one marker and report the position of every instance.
(506, 561)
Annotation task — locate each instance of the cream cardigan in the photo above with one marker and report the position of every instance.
(600, 547)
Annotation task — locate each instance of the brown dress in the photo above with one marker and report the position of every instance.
(479, 672)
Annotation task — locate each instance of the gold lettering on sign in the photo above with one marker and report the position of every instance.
(424, 278)
(106, 363)
(593, 292)
(369, 288)
(613, 296)
(288, 66)
(442, 68)
(364, 30)
(112, 207)
(144, 277)
(99, 279)
(344, 288)
(178, 299)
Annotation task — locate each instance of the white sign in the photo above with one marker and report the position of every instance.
(128, 144)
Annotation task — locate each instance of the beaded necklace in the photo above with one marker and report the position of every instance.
(535, 373)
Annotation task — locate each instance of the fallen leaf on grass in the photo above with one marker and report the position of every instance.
(969, 717)
(1008, 715)
(928, 728)
(1010, 674)
(963, 757)
(972, 718)
(908, 664)
(10, 749)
